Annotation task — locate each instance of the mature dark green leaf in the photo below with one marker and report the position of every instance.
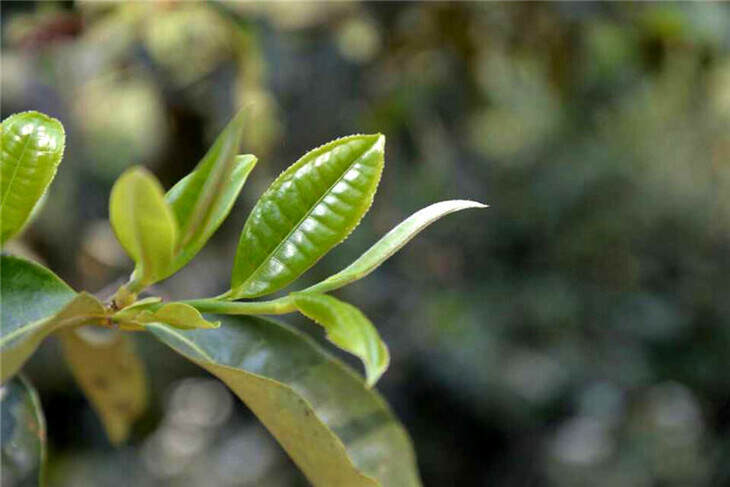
(35, 302)
(111, 375)
(347, 328)
(307, 210)
(22, 435)
(391, 243)
(144, 224)
(203, 199)
(32, 148)
(336, 430)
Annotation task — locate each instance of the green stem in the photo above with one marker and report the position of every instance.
(278, 306)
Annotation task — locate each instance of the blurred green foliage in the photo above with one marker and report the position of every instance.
(576, 333)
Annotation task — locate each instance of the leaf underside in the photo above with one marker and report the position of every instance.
(335, 429)
(307, 210)
(32, 148)
(390, 243)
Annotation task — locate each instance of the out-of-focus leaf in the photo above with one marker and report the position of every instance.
(179, 315)
(391, 243)
(35, 302)
(144, 224)
(347, 328)
(203, 199)
(307, 210)
(32, 148)
(334, 428)
(22, 435)
(111, 375)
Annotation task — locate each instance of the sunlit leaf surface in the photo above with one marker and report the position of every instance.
(32, 148)
(307, 210)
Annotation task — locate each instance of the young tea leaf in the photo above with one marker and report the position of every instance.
(110, 373)
(144, 224)
(35, 303)
(391, 243)
(32, 148)
(307, 210)
(203, 199)
(336, 430)
(347, 328)
(22, 434)
(178, 315)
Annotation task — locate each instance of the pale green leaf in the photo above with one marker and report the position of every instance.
(336, 430)
(347, 328)
(307, 210)
(203, 199)
(179, 315)
(144, 224)
(32, 148)
(110, 374)
(391, 243)
(54, 306)
(22, 435)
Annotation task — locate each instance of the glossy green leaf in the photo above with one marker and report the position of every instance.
(347, 328)
(391, 243)
(110, 374)
(203, 199)
(144, 224)
(32, 148)
(336, 430)
(307, 210)
(178, 315)
(22, 435)
(54, 306)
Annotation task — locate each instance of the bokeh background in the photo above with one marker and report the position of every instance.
(576, 333)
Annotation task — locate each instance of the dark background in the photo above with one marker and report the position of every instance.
(576, 333)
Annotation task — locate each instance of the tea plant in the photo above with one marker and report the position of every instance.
(333, 425)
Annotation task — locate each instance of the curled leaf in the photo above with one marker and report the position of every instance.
(203, 199)
(347, 328)
(391, 243)
(144, 224)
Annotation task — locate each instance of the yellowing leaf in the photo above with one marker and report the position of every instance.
(347, 328)
(32, 148)
(110, 373)
(307, 210)
(336, 430)
(144, 224)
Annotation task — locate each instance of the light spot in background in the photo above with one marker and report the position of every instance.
(358, 40)
(582, 441)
